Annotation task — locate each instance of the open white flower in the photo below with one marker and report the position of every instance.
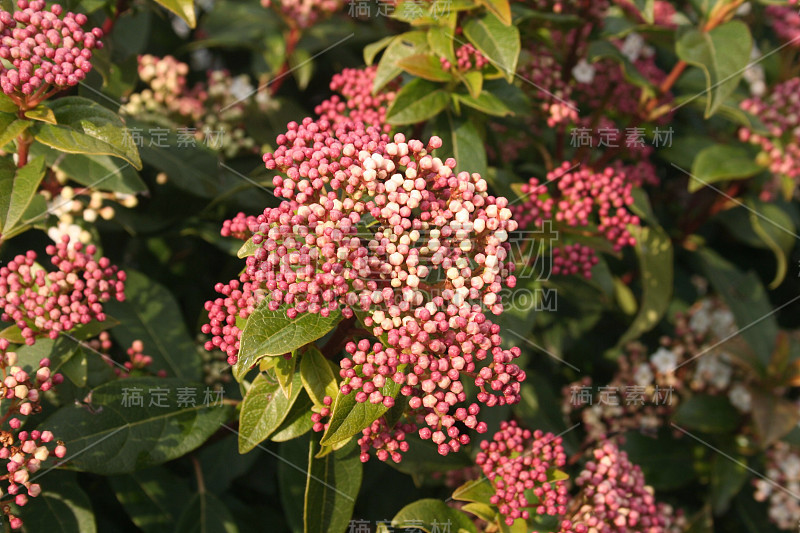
(740, 397)
(664, 360)
(633, 46)
(583, 72)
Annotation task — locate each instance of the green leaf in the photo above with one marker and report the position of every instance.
(430, 515)
(205, 513)
(349, 417)
(426, 66)
(76, 368)
(475, 490)
(6, 104)
(486, 103)
(332, 486)
(440, 39)
(62, 506)
(373, 49)
(417, 101)
(115, 435)
(100, 172)
(301, 66)
(473, 81)
(461, 140)
(41, 113)
(248, 248)
(498, 42)
(60, 351)
(722, 162)
(11, 127)
(664, 459)
(284, 371)
(500, 8)
(403, 45)
(722, 54)
(706, 413)
(317, 376)
(751, 516)
(263, 410)
(774, 417)
(654, 250)
(86, 127)
(183, 8)
(151, 314)
(297, 422)
(292, 474)
(152, 498)
(273, 333)
(727, 479)
(17, 190)
(646, 8)
(747, 299)
(776, 230)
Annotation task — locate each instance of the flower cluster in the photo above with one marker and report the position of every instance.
(24, 452)
(213, 112)
(74, 206)
(780, 114)
(657, 383)
(43, 303)
(614, 498)
(467, 58)
(580, 197)
(43, 51)
(357, 103)
(303, 14)
(785, 20)
(385, 229)
(782, 470)
(517, 460)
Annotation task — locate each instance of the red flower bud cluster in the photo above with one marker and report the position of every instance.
(48, 51)
(357, 103)
(45, 303)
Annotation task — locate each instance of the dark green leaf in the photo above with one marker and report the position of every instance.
(722, 53)
(273, 333)
(461, 140)
(116, 435)
(206, 514)
(728, 475)
(417, 101)
(297, 422)
(62, 507)
(498, 42)
(263, 410)
(426, 66)
(332, 485)
(709, 414)
(487, 103)
(722, 162)
(777, 231)
(76, 368)
(17, 190)
(11, 127)
(475, 490)
(373, 49)
(440, 39)
(604, 49)
(284, 372)
(101, 172)
(86, 127)
(151, 314)
(666, 461)
(153, 498)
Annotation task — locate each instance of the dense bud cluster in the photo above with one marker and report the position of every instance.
(357, 103)
(580, 197)
(43, 51)
(210, 113)
(785, 20)
(780, 114)
(650, 387)
(516, 460)
(467, 58)
(613, 498)
(23, 452)
(304, 13)
(73, 207)
(782, 471)
(388, 230)
(45, 303)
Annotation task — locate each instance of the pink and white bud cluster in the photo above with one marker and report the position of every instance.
(45, 303)
(467, 58)
(548, 84)
(782, 472)
(386, 229)
(780, 114)
(580, 197)
(357, 103)
(572, 259)
(137, 360)
(238, 227)
(303, 14)
(785, 20)
(517, 460)
(614, 498)
(388, 442)
(24, 452)
(43, 51)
